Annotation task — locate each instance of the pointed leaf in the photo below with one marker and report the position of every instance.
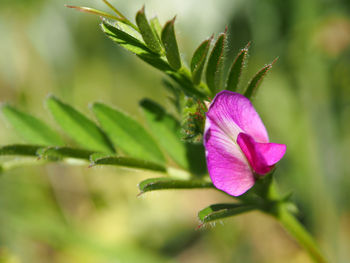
(257, 80)
(146, 31)
(127, 134)
(166, 127)
(236, 70)
(30, 128)
(78, 127)
(20, 149)
(170, 45)
(220, 211)
(156, 27)
(215, 65)
(126, 162)
(124, 39)
(164, 183)
(198, 60)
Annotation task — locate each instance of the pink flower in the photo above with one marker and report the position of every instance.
(237, 145)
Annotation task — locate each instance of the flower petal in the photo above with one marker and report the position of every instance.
(261, 156)
(272, 152)
(228, 168)
(234, 113)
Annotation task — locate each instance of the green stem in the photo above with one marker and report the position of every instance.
(295, 229)
(292, 225)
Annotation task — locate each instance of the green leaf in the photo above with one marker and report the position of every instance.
(30, 128)
(215, 64)
(127, 134)
(167, 129)
(220, 211)
(146, 31)
(20, 149)
(128, 30)
(198, 60)
(78, 127)
(256, 81)
(176, 93)
(156, 27)
(124, 39)
(58, 153)
(131, 43)
(155, 61)
(170, 45)
(236, 69)
(164, 183)
(197, 163)
(126, 162)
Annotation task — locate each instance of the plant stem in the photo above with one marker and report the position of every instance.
(292, 225)
(296, 229)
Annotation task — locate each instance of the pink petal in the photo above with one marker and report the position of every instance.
(234, 113)
(228, 168)
(272, 152)
(261, 156)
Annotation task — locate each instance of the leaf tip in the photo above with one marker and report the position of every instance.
(79, 8)
(141, 11)
(170, 22)
(246, 48)
(69, 6)
(226, 29)
(274, 61)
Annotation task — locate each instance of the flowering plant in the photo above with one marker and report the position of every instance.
(226, 138)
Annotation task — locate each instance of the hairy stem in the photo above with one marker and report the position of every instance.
(293, 226)
(297, 230)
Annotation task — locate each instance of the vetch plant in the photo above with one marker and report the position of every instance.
(218, 143)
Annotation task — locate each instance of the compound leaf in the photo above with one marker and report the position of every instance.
(170, 45)
(215, 65)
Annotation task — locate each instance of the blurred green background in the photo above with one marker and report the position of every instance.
(56, 213)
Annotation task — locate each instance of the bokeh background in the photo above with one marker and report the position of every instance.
(56, 213)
